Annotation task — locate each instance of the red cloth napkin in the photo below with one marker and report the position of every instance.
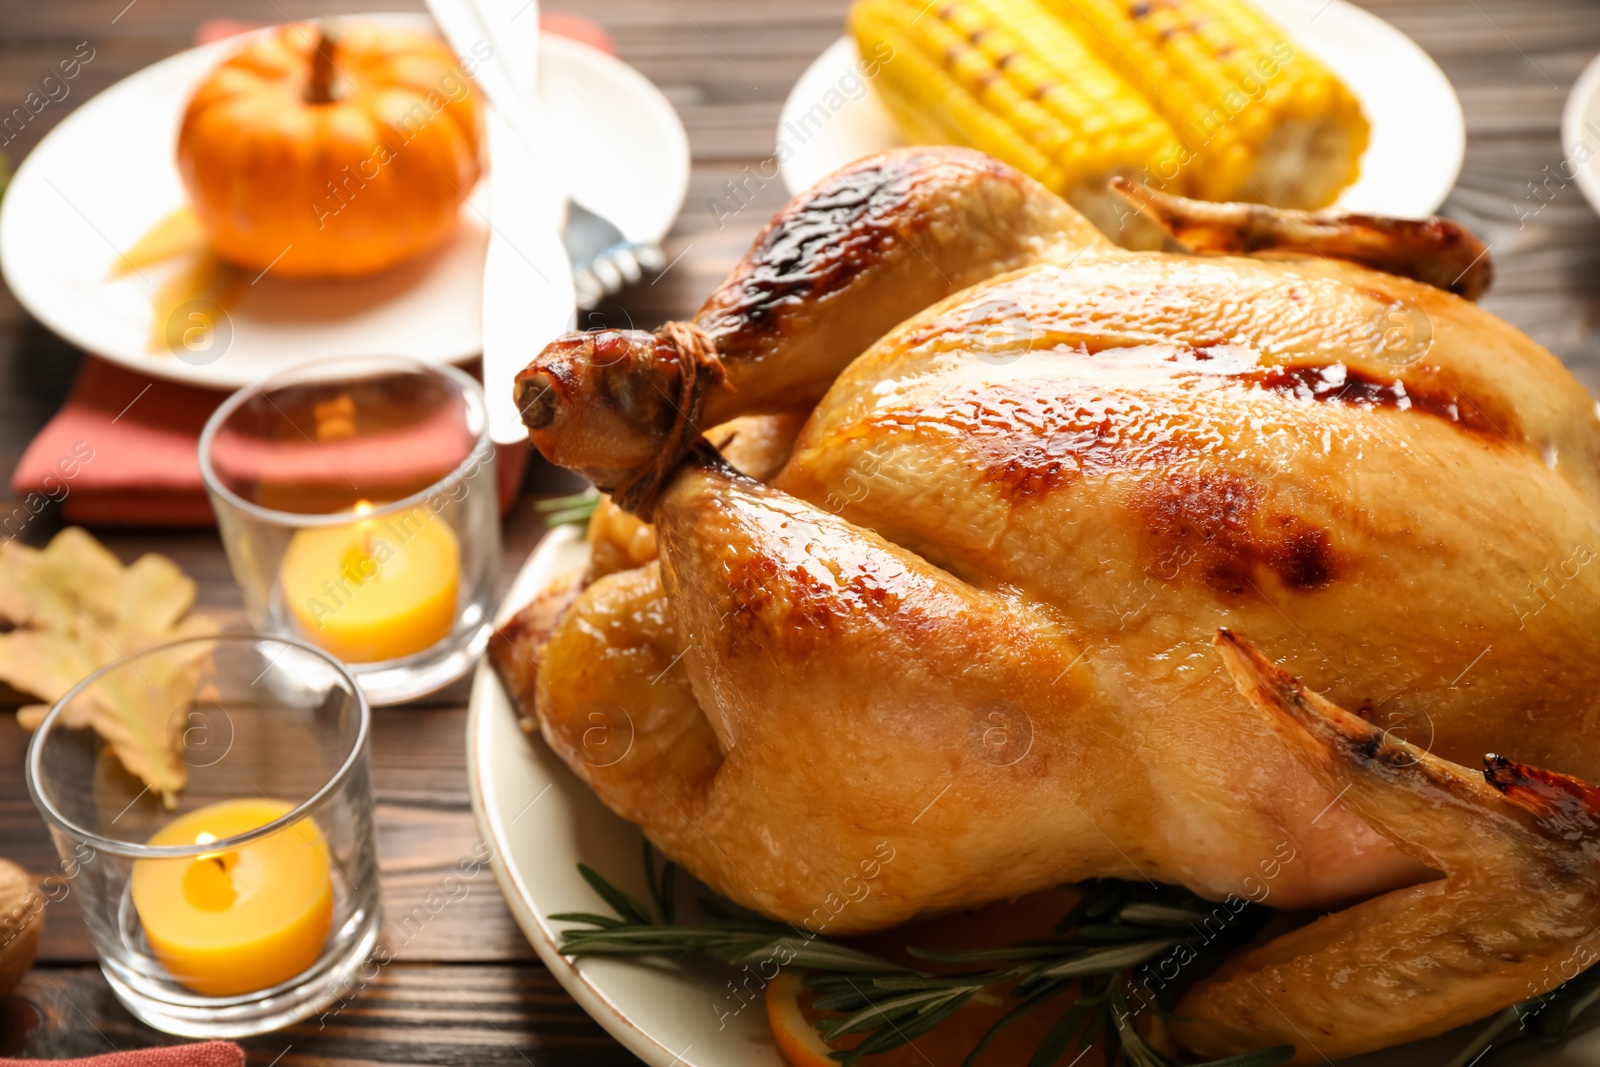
(204, 1054)
(122, 449)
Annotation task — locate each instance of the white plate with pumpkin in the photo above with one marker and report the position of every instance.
(104, 188)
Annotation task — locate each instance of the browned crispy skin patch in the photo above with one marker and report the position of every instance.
(1566, 806)
(1214, 520)
(1030, 437)
(820, 601)
(1426, 390)
(822, 242)
(1028, 442)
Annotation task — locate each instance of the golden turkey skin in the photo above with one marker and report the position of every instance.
(1209, 569)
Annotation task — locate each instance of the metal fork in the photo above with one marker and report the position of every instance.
(603, 260)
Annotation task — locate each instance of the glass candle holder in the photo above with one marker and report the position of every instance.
(357, 502)
(232, 887)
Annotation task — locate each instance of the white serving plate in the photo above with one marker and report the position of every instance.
(1410, 166)
(543, 821)
(1580, 134)
(99, 180)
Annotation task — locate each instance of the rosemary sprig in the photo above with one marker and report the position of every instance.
(1097, 950)
(1113, 930)
(574, 510)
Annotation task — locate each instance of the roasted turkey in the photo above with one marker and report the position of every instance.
(1027, 599)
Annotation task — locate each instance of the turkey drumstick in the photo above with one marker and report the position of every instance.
(842, 264)
(849, 259)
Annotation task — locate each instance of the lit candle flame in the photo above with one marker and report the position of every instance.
(364, 507)
(203, 838)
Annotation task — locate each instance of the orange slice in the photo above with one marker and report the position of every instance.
(797, 1039)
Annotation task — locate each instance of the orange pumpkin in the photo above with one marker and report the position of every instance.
(311, 154)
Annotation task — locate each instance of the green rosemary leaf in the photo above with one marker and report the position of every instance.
(1060, 1035)
(572, 517)
(574, 510)
(637, 940)
(1108, 960)
(1106, 897)
(1024, 951)
(1152, 913)
(1264, 1057)
(651, 884)
(877, 1013)
(605, 949)
(824, 955)
(1116, 933)
(669, 892)
(893, 1036)
(1125, 1030)
(663, 887)
(1045, 992)
(1100, 1009)
(897, 983)
(827, 982)
(850, 999)
(621, 903)
(604, 921)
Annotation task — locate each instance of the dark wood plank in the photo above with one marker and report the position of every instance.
(412, 1013)
(424, 827)
(463, 989)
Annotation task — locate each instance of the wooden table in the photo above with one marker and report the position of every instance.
(466, 988)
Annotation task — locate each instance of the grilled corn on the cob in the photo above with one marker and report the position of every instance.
(1007, 77)
(1202, 97)
(1261, 120)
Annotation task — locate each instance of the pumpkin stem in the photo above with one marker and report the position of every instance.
(319, 90)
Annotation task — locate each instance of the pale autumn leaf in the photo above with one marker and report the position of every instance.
(156, 595)
(46, 663)
(73, 581)
(14, 607)
(77, 608)
(138, 714)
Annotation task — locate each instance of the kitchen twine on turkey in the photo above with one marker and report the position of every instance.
(699, 371)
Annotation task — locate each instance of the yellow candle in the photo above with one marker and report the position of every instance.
(374, 589)
(242, 919)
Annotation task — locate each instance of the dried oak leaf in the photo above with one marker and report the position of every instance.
(73, 607)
